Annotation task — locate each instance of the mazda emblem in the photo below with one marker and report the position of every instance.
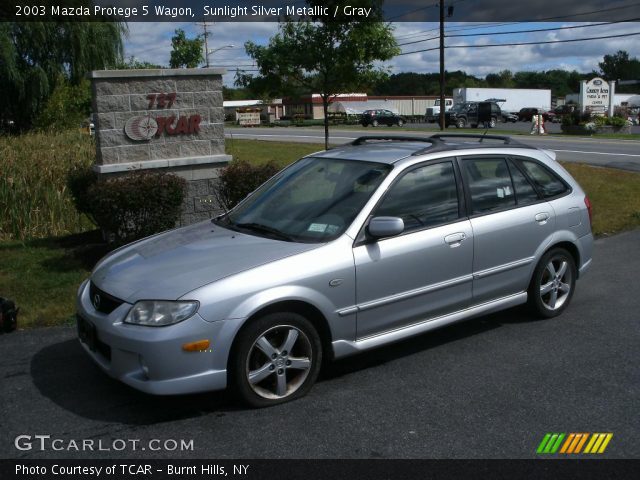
(96, 301)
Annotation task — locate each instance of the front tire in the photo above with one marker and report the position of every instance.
(492, 122)
(276, 359)
(460, 123)
(553, 284)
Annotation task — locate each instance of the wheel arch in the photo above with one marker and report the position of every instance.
(305, 309)
(569, 247)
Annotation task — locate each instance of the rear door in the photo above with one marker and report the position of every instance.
(426, 270)
(511, 222)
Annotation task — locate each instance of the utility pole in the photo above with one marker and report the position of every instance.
(204, 25)
(442, 84)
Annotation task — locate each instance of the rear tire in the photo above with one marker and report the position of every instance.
(553, 284)
(460, 123)
(400, 123)
(374, 123)
(275, 359)
(492, 122)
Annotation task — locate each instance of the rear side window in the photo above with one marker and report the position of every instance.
(547, 182)
(490, 184)
(525, 193)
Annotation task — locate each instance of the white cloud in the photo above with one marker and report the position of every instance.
(152, 42)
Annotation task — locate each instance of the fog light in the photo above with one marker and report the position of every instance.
(197, 346)
(143, 366)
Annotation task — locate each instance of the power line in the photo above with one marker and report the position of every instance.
(476, 27)
(611, 9)
(522, 31)
(543, 29)
(524, 43)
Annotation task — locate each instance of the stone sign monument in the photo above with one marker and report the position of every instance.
(166, 119)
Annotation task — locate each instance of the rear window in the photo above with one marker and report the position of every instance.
(547, 182)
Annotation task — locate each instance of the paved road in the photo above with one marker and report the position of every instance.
(623, 154)
(486, 388)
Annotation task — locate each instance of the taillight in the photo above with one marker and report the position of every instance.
(588, 204)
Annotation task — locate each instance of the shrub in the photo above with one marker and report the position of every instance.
(129, 207)
(240, 178)
(67, 106)
(78, 182)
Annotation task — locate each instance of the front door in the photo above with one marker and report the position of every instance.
(425, 271)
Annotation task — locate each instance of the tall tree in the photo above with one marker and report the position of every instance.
(35, 55)
(620, 66)
(185, 53)
(324, 56)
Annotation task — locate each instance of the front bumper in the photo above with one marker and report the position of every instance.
(151, 359)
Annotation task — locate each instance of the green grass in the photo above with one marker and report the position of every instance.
(614, 195)
(42, 275)
(259, 151)
(34, 201)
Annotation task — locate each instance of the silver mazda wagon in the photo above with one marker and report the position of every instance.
(343, 251)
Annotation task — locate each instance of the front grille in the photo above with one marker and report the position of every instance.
(102, 301)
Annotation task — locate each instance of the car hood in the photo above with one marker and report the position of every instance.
(169, 265)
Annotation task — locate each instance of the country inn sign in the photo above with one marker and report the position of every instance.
(170, 120)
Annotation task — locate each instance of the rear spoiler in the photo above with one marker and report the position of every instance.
(550, 153)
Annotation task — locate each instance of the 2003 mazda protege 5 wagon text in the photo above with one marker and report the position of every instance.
(343, 251)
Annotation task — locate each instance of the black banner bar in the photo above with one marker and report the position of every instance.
(320, 469)
(276, 10)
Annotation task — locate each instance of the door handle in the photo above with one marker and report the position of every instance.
(455, 239)
(542, 218)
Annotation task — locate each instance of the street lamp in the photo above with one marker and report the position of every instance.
(213, 50)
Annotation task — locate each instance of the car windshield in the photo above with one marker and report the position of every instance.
(459, 107)
(314, 200)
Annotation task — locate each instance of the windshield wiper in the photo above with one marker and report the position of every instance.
(258, 227)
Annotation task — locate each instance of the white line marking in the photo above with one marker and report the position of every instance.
(284, 136)
(598, 153)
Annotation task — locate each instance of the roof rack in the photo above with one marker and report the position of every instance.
(398, 138)
(480, 136)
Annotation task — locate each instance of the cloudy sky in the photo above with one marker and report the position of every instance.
(152, 42)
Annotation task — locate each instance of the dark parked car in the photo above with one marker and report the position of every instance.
(473, 114)
(564, 109)
(381, 117)
(526, 114)
(509, 117)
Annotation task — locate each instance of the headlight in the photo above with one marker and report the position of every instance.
(158, 313)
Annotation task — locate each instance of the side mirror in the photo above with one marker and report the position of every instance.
(380, 227)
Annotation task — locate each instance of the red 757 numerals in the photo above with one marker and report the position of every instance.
(161, 100)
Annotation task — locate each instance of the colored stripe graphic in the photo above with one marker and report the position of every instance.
(550, 443)
(574, 443)
(598, 442)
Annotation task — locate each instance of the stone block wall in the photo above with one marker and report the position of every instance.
(167, 119)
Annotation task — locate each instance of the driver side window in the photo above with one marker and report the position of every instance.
(424, 197)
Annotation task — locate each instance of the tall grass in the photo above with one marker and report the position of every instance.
(34, 201)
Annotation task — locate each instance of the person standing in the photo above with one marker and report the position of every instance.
(535, 125)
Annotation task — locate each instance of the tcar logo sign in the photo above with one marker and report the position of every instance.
(145, 127)
(141, 128)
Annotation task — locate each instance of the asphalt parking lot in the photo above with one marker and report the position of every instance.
(487, 388)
